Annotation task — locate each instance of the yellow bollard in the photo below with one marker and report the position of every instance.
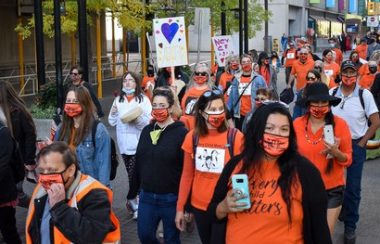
(99, 57)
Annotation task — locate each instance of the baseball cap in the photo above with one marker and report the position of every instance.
(348, 64)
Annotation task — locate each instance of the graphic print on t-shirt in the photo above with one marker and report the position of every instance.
(290, 56)
(189, 105)
(209, 159)
(242, 86)
(329, 72)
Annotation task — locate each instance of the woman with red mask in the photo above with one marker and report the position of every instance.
(330, 68)
(354, 57)
(267, 70)
(76, 130)
(199, 84)
(159, 161)
(130, 113)
(243, 91)
(232, 67)
(331, 158)
(284, 201)
(206, 154)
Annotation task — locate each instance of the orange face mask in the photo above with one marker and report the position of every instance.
(73, 109)
(200, 79)
(160, 114)
(319, 112)
(216, 120)
(247, 67)
(46, 180)
(275, 145)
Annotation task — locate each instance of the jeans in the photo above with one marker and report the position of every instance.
(153, 208)
(353, 187)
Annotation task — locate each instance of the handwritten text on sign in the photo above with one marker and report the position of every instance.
(170, 38)
(224, 47)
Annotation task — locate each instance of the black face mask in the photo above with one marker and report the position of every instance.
(150, 73)
(372, 69)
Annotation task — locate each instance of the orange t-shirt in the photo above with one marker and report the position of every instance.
(290, 56)
(267, 222)
(145, 83)
(362, 50)
(265, 73)
(200, 177)
(312, 146)
(332, 70)
(299, 70)
(225, 79)
(366, 81)
(246, 103)
(339, 56)
(187, 104)
(364, 69)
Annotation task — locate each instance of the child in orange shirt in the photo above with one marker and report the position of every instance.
(331, 159)
(208, 147)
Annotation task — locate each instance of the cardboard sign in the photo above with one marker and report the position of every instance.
(170, 38)
(224, 47)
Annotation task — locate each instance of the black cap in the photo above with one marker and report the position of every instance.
(318, 91)
(348, 64)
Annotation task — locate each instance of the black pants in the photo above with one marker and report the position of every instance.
(129, 162)
(8, 225)
(209, 231)
(287, 74)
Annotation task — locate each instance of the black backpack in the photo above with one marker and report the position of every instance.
(17, 161)
(114, 156)
(231, 134)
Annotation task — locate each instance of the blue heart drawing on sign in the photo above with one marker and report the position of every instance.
(169, 31)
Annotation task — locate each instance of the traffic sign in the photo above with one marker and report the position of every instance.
(373, 21)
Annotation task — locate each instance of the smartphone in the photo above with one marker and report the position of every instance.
(328, 133)
(241, 187)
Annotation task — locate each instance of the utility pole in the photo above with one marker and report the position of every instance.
(58, 54)
(40, 54)
(246, 28)
(82, 29)
(266, 46)
(240, 27)
(223, 18)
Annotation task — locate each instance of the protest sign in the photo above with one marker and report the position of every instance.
(170, 38)
(224, 46)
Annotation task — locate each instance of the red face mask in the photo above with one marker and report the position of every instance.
(319, 112)
(275, 145)
(234, 66)
(348, 81)
(160, 114)
(266, 61)
(46, 180)
(258, 103)
(200, 79)
(216, 120)
(329, 59)
(73, 109)
(246, 67)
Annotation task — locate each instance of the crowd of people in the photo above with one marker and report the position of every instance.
(183, 139)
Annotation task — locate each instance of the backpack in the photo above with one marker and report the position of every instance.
(17, 161)
(231, 134)
(360, 98)
(114, 156)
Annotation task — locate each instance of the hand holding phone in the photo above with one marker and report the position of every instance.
(328, 133)
(240, 188)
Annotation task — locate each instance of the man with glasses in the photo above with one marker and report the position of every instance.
(76, 80)
(356, 107)
(300, 69)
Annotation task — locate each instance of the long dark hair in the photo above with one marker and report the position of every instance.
(200, 106)
(262, 57)
(10, 101)
(253, 153)
(138, 90)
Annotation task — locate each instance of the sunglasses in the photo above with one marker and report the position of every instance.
(201, 73)
(311, 78)
(215, 92)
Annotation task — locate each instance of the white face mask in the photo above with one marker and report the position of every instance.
(332, 44)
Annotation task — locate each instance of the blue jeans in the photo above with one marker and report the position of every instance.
(353, 187)
(153, 208)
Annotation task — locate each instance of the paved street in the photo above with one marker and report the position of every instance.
(368, 230)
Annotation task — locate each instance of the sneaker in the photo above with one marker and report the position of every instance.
(349, 237)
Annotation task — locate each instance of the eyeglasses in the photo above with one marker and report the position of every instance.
(215, 92)
(303, 53)
(74, 74)
(201, 73)
(311, 78)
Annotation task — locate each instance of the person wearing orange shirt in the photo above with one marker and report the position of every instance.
(290, 56)
(330, 68)
(243, 91)
(331, 159)
(338, 52)
(200, 83)
(354, 57)
(267, 70)
(148, 82)
(288, 202)
(362, 49)
(300, 69)
(367, 74)
(206, 153)
(232, 67)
